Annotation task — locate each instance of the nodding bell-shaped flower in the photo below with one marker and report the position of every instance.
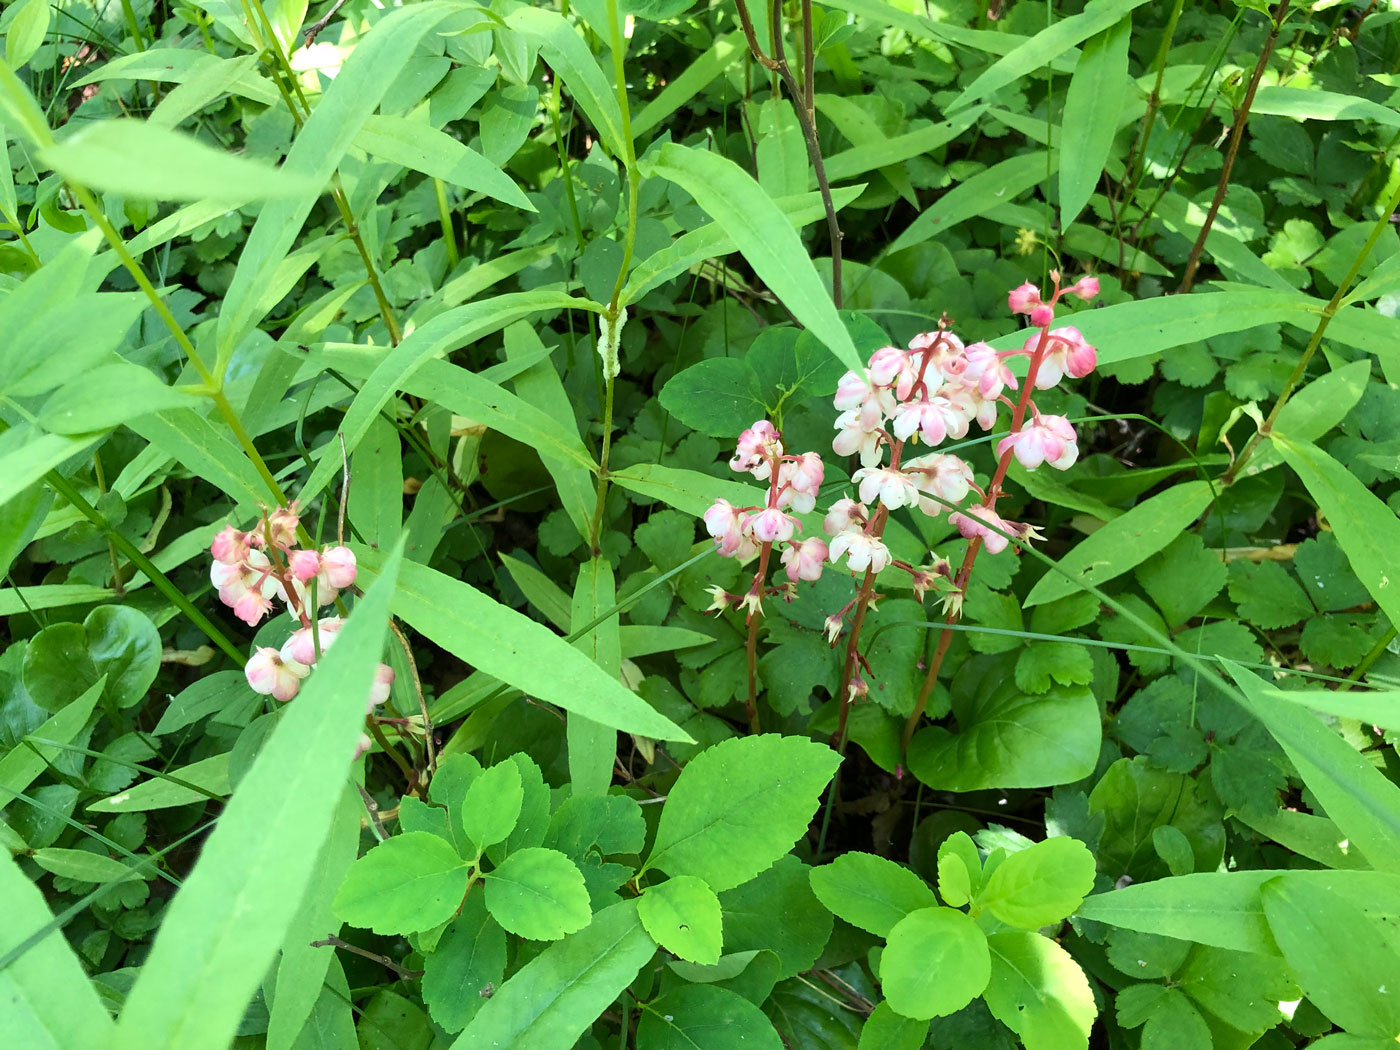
(986, 369)
(273, 676)
(301, 647)
(719, 599)
(230, 546)
(771, 526)
(251, 607)
(757, 447)
(1066, 354)
(803, 560)
(853, 436)
(845, 513)
(282, 523)
(304, 564)
(861, 551)
(893, 368)
(1049, 439)
(338, 569)
(932, 419)
(973, 523)
(1024, 299)
(1085, 288)
(854, 393)
(892, 487)
(725, 524)
(379, 688)
(943, 475)
(799, 482)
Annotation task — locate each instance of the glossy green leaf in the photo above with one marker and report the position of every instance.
(934, 963)
(507, 645)
(869, 891)
(492, 805)
(886, 1030)
(719, 396)
(219, 933)
(763, 235)
(1092, 103)
(538, 893)
(1126, 541)
(1039, 992)
(1039, 885)
(411, 882)
(553, 998)
(696, 1015)
(683, 916)
(738, 806)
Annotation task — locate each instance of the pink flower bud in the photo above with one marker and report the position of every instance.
(379, 689)
(800, 481)
(1024, 299)
(771, 526)
(1042, 315)
(304, 564)
(230, 546)
(973, 522)
(270, 675)
(301, 646)
(337, 567)
(364, 745)
(803, 560)
(1066, 354)
(251, 607)
(725, 524)
(1085, 288)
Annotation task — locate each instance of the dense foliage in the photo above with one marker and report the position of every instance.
(398, 656)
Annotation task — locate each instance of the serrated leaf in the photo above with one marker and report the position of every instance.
(538, 893)
(1040, 885)
(1042, 664)
(1267, 596)
(411, 882)
(869, 891)
(492, 805)
(682, 915)
(935, 962)
(470, 958)
(1182, 578)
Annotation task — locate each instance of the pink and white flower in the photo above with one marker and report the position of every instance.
(943, 475)
(803, 560)
(985, 366)
(800, 481)
(861, 551)
(756, 449)
(932, 419)
(304, 564)
(230, 546)
(300, 647)
(973, 523)
(892, 487)
(283, 523)
(338, 569)
(854, 393)
(1048, 439)
(1067, 353)
(725, 524)
(845, 514)
(1085, 288)
(379, 688)
(771, 526)
(273, 676)
(853, 437)
(1024, 299)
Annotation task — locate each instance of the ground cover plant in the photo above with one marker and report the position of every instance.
(657, 524)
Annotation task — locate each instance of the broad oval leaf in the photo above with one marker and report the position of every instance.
(740, 805)
(935, 962)
(886, 1030)
(1041, 884)
(705, 1015)
(411, 882)
(492, 805)
(1039, 992)
(869, 891)
(683, 916)
(538, 893)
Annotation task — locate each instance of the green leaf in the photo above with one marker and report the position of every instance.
(709, 63)
(210, 774)
(1364, 526)
(220, 931)
(1182, 578)
(1172, 1022)
(411, 882)
(934, 963)
(719, 396)
(1312, 103)
(1009, 738)
(1092, 103)
(976, 195)
(1267, 595)
(683, 916)
(81, 865)
(139, 159)
(551, 1000)
(1042, 664)
(22, 764)
(470, 958)
(25, 35)
(703, 1015)
(49, 1003)
(1364, 804)
(1040, 885)
(1346, 965)
(1039, 992)
(503, 643)
(869, 891)
(538, 893)
(1135, 799)
(1125, 541)
(86, 404)
(763, 234)
(740, 805)
(593, 745)
(886, 1030)
(1244, 989)
(125, 646)
(416, 145)
(959, 869)
(492, 805)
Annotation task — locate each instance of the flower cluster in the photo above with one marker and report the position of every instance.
(742, 532)
(253, 569)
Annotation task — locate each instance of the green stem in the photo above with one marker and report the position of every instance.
(1328, 312)
(449, 238)
(133, 25)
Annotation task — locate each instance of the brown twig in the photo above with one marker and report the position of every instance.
(309, 34)
(1236, 136)
(333, 941)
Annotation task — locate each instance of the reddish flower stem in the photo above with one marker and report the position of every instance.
(1018, 418)
(751, 703)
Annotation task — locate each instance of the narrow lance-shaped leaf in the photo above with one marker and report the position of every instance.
(1092, 104)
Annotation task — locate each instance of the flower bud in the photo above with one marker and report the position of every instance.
(1042, 315)
(1085, 288)
(273, 676)
(283, 523)
(1024, 299)
(337, 567)
(379, 688)
(803, 560)
(230, 546)
(304, 564)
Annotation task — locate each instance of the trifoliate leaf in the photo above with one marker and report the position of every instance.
(1338, 640)
(1041, 664)
(1182, 578)
(1267, 594)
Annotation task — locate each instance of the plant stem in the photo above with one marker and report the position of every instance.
(1236, 136)
(449, 238)
(974, 545)
(1328, 312)
(760, 580)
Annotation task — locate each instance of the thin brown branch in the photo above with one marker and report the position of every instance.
(333, 941)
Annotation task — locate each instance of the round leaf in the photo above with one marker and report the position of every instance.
(1040, 885)
(719, 396)
(125, 646)
(492, 805)
(538, 893)
(886, 1030)
(408, 883)
(870, 892)
(935, 962)
(57, 666)
(683, 916)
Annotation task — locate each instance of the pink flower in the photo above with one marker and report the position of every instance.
(301, 648)
(985, 367)
(861, 551)
(892, 487)
(273, 676)
(853, 437)
(304, 564)
(803, 560)
(1049, 439)
(973, 523)
(873, 404)
(251, 607)
(771, 525)
(844, 514)
(338, 568)
(379, 689)
(799, 481)
(943, 475)
(283, 523)
(364, 745)
(756, 449)
(932, 419)
(724, 522)
(1024, 299)
(1085, 288)
(1066, 354)
(230, 546)
(888, 364)
(1042, 315)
